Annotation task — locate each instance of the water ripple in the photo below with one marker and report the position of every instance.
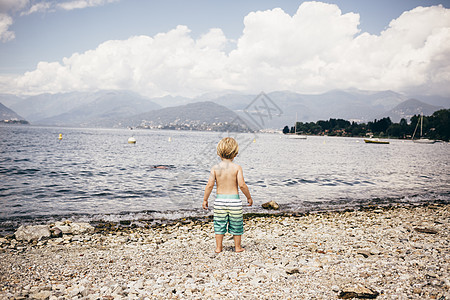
(95, 172)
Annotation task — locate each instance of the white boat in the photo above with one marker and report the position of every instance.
(375, 141)
(295, 135)
(421, 140)
(424, 141)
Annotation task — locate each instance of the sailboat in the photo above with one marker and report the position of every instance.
(295, 135)
(421, 140)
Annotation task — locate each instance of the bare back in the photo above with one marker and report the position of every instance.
(226, 174)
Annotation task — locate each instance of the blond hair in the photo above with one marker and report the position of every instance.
(227, 148)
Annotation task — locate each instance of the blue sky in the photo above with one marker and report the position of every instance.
(52, 33)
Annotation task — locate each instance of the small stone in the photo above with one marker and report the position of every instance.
(73, 291)
(58, 241)
(56, 232)
(42, 295)
(76, 238)
(426, 230)
(139, 284)
(292, 271)
(374, 251)
(364, 253)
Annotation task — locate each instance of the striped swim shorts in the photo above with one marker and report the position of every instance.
(228, 215)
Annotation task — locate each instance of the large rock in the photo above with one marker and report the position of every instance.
(271, 205)
(358, 291)
(32, 233)
(73, 228)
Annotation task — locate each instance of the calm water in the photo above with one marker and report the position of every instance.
(94, 174)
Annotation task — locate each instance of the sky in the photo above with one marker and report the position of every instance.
(188, 48)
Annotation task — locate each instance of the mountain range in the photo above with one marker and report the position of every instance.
(124, 108)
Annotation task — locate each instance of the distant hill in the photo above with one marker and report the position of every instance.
(409, 108)
(196, 116)
(9, 116)
(100, 109)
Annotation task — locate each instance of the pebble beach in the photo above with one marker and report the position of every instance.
(382, 253)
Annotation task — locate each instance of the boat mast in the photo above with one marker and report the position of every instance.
(415, 129)
(295, 126)
(421, 124)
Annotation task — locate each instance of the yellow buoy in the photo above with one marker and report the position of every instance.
(170, 139)
(254, 140)
(60, 136)
(131, 140)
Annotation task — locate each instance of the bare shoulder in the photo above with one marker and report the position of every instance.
(237, 166)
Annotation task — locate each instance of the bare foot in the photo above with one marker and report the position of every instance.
(239, 250)
(218, 250)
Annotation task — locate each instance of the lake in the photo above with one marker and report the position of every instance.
(94, 174)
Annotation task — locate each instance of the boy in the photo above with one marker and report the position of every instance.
(228, 177)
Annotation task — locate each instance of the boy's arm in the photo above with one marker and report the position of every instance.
(209, 187)
(243, 186)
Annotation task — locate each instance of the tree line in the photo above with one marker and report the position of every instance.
(436, 126)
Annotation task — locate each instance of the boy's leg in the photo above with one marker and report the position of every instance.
(219, 245)
(220, 225)
(237, 243)
(236, 226)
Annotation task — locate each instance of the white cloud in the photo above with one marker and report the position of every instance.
(169, 61)
(39, 7)
(6, 8)
(78, 4)
(315, 50)
(9, 8)
(5, 22)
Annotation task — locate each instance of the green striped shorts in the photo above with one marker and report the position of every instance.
(228, 215)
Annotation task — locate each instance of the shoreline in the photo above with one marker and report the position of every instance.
(144, 222)
(397, 251)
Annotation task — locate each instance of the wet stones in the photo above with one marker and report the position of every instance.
(34, 233)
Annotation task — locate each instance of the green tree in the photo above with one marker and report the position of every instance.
(440, 122)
